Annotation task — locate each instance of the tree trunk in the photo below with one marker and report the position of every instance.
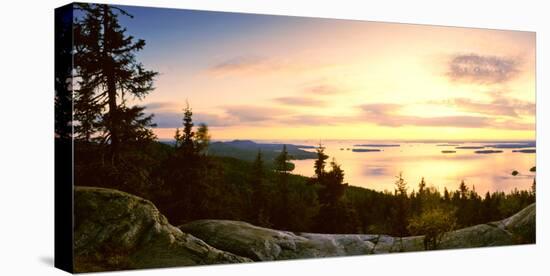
(108, 69)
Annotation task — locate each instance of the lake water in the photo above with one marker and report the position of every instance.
(377, 170)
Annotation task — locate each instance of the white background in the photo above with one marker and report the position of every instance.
(26, 136)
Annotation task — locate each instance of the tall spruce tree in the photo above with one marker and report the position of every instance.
(258, 212)
(320, 162)
(187, 172)
(283, 168)
(401, 208)
(186, 142)
(107, 71)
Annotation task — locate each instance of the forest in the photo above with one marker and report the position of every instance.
(115, 147)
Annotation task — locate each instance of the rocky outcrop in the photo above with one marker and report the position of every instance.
(262, 244)
(116, 230)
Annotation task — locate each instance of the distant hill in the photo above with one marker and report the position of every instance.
(247, 150)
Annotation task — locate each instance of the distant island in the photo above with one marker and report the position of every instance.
(487, 151)
(526, 151)
(365, 150)
(512, 145)
(470, 147)
(377, 145)
(447, 145)
(448, 151)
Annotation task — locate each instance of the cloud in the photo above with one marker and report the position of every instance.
(309, 120)
(169, 115)
(497, 107)
(301, 101)
(155, 106)
(482, 69)
(174, 119)
(262, 65)
(248, 114)
(388, 115)
(323, 89)
(239, 64)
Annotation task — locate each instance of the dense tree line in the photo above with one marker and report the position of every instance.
(115, 148)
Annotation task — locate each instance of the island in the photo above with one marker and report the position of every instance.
(525, 150)
(366, 150)
(377, 145)
(487, 151)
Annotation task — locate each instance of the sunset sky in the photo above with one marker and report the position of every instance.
(278, 77)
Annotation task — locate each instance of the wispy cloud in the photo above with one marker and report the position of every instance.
(477, 68)
(388, 115)
(174, 119)
(262, 65)
(240, 64)
(323, 89)
(248, 114)
(313, 120)
(158, 106)
(301, 101)
(498, 106)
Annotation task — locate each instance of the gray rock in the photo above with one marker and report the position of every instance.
(476, 236)
(522, 225)
(262, 244)
(116, 230)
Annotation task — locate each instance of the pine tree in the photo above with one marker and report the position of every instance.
(257, 181)
(446, 195)
(534, 187)
(186, 141)
(333, 185)
(463, 190)
(107, 71)
(202, 139)
(177, 138)
(187, 171)
(320, 162)
(282, 167)
(401, 208)
(421, 186)
(401, 186)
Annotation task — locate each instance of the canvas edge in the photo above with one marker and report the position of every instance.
(63, 148)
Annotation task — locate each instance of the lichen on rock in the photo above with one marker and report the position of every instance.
(115, 230)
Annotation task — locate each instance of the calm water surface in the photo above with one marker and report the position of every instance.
(377, 170)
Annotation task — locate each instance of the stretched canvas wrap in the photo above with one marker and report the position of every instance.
(188, 137)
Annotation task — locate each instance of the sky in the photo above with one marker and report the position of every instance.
(251, 76)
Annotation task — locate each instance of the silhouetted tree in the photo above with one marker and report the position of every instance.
(463, 190)
(421, 186)
(332, 184)
(320, 162)
(107, 71)
(401, 208)
(418, 198)
(189, 173)
(257, 180)
(202, 139)
(185, 141)
(282, 168)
